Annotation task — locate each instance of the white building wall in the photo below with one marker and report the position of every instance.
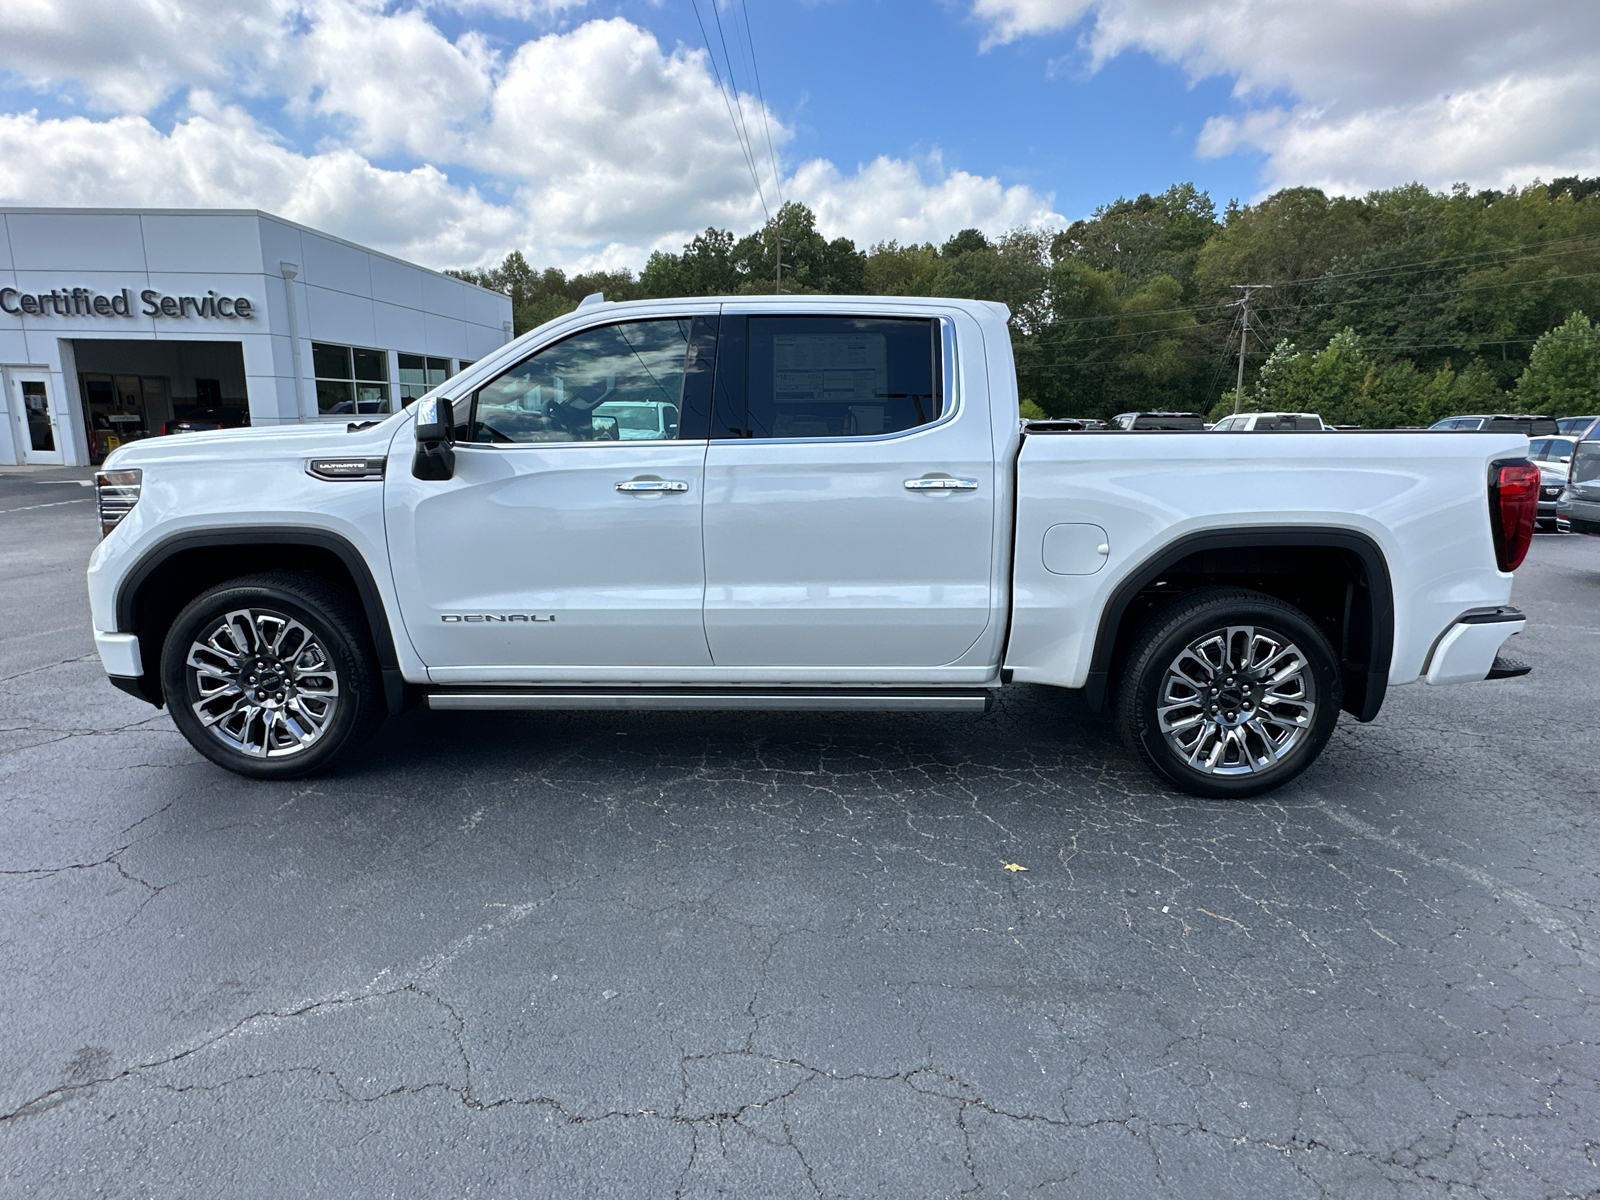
(342, 293)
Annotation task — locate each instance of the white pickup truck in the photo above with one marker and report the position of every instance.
(841, 510)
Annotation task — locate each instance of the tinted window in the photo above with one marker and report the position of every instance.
(1528, 426)
(616, 383)
(821, 377)
(1173, 421)
(1550, 448)
(1586, 463)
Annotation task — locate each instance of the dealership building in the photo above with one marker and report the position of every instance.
(116, 322)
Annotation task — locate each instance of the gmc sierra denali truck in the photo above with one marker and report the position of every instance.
(797, 502)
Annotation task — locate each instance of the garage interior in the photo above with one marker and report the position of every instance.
(130, 389)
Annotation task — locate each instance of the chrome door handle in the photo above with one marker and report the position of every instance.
(652, 486)
(942, 485)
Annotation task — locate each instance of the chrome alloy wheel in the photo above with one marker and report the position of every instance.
(262, 683)
(1236, 700)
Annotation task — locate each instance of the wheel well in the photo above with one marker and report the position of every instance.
(171, 576)
(1338, 580)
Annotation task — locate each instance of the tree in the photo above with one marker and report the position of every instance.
(811, 263)
(1563, 373)
(705, 268)
(540, 296)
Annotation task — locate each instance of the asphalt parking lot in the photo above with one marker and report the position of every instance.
(694, 955)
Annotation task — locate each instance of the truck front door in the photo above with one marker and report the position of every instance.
(849, 512)
(561, 542)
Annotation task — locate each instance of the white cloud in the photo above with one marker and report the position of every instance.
(888, 199)
(221, 158)
(1383, 91)
(591, 146)
(129, 56)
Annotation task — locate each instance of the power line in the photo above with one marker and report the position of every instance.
(1534, 257)
(740, 135)
(733, 86)
(772, 153)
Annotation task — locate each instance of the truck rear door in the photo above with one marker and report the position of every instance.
(849, 496)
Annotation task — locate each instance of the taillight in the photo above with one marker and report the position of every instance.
(1513, 509)
(118, 492)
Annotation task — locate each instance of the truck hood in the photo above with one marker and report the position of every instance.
(258, 444)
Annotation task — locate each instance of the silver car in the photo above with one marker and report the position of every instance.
(1578, 509)
(1553, 457)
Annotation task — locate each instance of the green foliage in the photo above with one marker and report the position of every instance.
(1410, 304)
(1563, 374)
(540, 296)
(1347, 385)
(1031, 411)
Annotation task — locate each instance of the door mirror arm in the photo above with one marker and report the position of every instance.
(435, 431)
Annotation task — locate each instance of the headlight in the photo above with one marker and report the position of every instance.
(118, 492)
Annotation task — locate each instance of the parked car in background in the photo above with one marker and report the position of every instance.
(1578, 427)
(1064, 424)
(1503, 423)
(1269, 423)
(640, 420)
(1553, 457)
(1578, 509)
(1158, 420)
(197, 420)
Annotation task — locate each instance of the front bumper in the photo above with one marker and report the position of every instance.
(119, 654)
(1548, 496)
(1467, 651)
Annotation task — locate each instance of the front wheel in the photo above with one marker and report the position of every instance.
(1229, 693)
(271, 676)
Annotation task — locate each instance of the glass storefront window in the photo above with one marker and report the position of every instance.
(350, 379)
(420, 374)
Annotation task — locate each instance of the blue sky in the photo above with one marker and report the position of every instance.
(590, 132)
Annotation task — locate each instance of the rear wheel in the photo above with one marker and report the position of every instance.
(1229, 693)
(271, 675)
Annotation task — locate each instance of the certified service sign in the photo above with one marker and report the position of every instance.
(81, 302)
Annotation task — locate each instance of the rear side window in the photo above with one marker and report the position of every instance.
(1586, 463)
(827, 377)
(1175, 421)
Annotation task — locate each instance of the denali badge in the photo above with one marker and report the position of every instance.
(450, 618)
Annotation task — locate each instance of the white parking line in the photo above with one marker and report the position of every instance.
(52, 504)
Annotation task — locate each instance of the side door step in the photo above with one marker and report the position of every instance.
(708, 699)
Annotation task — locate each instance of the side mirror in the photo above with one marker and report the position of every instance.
(605, 428)
(436, 457)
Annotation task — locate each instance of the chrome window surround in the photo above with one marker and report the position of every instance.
(950, 368)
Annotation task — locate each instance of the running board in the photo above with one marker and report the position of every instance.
(699, 700)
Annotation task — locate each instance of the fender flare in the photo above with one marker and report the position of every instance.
(1379, 587)
(148, 563)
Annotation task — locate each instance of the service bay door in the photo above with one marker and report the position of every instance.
(849, 510)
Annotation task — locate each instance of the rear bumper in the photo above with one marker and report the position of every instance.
(1581, 516)
(1466, 651)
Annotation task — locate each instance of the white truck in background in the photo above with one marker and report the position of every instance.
(844, 512)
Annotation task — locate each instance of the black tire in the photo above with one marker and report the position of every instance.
(1249, 735)
(329, 697)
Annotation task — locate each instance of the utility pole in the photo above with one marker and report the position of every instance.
(1247, 290)
(777, 243)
